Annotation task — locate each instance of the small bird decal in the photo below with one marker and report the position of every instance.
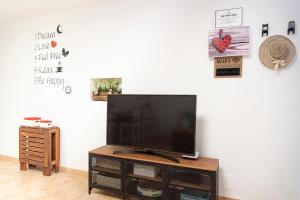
(65, 53)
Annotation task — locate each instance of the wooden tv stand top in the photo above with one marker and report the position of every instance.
(201, 163)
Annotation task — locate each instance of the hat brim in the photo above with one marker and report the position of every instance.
(263, 50)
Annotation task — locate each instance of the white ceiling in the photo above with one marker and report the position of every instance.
(16, 9)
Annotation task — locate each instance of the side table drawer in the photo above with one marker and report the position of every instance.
(31, 145)
(32, 135)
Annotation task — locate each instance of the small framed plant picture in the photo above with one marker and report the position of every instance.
(101, 87)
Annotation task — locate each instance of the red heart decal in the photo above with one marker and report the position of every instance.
(221, 44)
(53, 44)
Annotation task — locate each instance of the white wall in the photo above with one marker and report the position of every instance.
(251, 124)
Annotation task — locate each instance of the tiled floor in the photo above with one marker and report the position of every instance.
(32, 185)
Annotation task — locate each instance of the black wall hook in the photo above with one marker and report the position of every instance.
(291, 27)
(265, 30)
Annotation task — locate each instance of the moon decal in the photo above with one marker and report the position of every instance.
(59, 29)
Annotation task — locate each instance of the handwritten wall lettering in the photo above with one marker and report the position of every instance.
(44, 70)
(38, 80)
(56, 82)
(44, 36)
(49, 55)
(41, 46)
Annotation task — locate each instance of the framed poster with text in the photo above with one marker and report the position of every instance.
(229, 17)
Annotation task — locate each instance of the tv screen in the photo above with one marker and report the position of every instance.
(154, 122)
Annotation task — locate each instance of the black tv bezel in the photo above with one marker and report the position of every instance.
(150, 149)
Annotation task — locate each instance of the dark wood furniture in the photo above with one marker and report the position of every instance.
(189, 177)
(39, 147)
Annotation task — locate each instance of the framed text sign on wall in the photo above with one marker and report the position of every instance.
(228, 17)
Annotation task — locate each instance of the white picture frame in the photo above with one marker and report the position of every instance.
(229, 17)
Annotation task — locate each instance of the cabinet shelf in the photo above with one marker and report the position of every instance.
(107, 170)
(180, 183)
(140, 197)
(109, 189)
(155, 179)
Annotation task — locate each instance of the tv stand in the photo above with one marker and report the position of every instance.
(146, 151)
(112, 170)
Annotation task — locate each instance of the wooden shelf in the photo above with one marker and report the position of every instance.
(100, 98)
(202, 187)
(156, 179)
(107, 170)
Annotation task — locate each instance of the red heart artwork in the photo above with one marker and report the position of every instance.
(53, 44)
(221, 44)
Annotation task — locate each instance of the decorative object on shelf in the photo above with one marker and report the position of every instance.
(228, 67)
(228, 17)
(32, 121)
(265, 30)
(195, 156)
(145, 170)
(184, 196)
(101, 87)
(291, 27)
(109, 182)
(39, 147)
(277, 52)
(229, 42)
(45, 123)
(148, 190)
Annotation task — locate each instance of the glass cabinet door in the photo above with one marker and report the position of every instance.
(188, 184)
(106, 173)
(144, 181)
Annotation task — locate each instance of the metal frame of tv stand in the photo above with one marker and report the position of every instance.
(165, 177)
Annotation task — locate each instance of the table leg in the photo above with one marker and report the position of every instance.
(23, 166)
(57, 150)
(47, 171)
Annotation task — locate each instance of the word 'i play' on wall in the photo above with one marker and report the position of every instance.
(49, 60)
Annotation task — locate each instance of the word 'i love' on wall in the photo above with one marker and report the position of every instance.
(49, 58)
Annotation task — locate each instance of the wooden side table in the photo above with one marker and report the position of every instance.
(39, 147)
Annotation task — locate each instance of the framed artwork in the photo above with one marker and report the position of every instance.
(228, 17)
(101, 87)
(234, 41)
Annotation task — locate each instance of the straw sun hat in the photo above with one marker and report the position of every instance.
(276, 52)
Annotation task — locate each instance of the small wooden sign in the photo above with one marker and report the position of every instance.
(228, 67)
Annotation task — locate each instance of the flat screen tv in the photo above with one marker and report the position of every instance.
(160, 123)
